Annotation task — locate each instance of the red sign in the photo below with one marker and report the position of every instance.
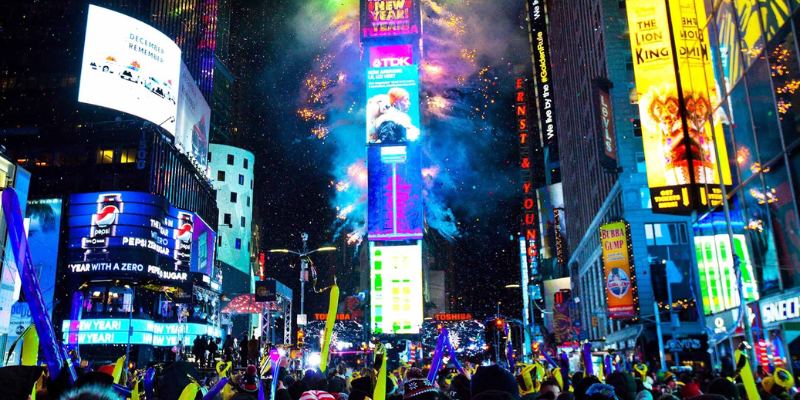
(324, 316)
(529, 206)
(453, 317)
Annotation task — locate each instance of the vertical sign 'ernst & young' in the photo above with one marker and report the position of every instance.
(529, 206)
(618, 271)
(683, 143)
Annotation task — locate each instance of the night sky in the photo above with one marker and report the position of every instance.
(301, 94)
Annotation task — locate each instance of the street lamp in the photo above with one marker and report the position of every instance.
(303, 254)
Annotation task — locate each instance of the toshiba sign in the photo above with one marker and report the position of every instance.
(780, 310)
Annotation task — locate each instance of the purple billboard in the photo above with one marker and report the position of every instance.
(395, 193)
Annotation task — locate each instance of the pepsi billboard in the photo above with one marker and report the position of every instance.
(395, 193)
(112, 234)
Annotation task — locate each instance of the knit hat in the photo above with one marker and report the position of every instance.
(690, 390)
(493, 377)
(316, 395)
(416, 387)
(601, 391)
(249, 381)
(783, 378)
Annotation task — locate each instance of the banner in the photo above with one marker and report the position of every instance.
(387, 18)
(618, 272)
(605, 118)
(678, 131)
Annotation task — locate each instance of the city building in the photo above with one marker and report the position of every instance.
(130, 189)
(604, 180)
(232, 173)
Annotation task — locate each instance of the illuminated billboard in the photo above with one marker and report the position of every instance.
(204, 241)
(129, 234)
(193, 120)
(397, 55)
(396, 295)
(394, 194)
(393, 105)
(619, 275)
(131, 67)
(718, 282)
(679, 132)
(386, 18)
(117, 331)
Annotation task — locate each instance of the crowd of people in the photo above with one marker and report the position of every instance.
(356, 379)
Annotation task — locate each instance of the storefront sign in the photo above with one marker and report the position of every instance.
(453, 316)
(775, 311)
(117, 331)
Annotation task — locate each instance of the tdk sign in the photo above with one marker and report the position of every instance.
(391, 62)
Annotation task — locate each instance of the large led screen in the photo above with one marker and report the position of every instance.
(384, 18)
(393, 105)
(683, 142)
(115, 234)
(130, 66)
(134, 331)
(716, 259)
(394, 194)
(396, 295)
(193, 121)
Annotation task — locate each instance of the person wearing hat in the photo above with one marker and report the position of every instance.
(249, 381)
(777, 385)
(419, 389)
(495, 378)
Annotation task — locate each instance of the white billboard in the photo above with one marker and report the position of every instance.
(193, 120)
(130, 66)
(396, 295)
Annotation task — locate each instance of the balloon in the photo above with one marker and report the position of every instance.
(453, 356)
(135, 390)
(51, 348)
(275, 358)
(436, 362)
(190, 391)
(333, 305)
(149, 382)
(743, 368)
(607, 365)
(586, 353)
(125, 392)
(119, 366)
(564, 370)
(30, 347)
(216, 389)
(380, 385)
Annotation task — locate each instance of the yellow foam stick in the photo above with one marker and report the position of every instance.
(190, 391)
(135, 390)
(557, 376)
(30, 346)
(380, 385)
(333, 306)
(743, 366)
(641, 369)
(118, 367)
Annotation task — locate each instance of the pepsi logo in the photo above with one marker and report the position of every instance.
(185, 232)
(618, 283)
(106, 216)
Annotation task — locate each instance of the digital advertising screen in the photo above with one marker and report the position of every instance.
(618, 273)
(387, 18)
(112, 234)
(681, 160)
(130, 66)
(393, 105)
(116, 331)
(397, 55)
(716, 257)
(193, 120)
(396, 295)
(394, 194)
(204, 241)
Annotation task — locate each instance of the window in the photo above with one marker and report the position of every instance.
(644, 193)
(246, 163)
(234, 196)
(209, 156)
(105, 156)
(230, 159)
(248, 201)
(243, 221)
(641, 165)
(241, 179)
(226, 219)
(238, 244)
(128, 156)
(221, 176)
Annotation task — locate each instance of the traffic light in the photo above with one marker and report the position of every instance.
(301, 336)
